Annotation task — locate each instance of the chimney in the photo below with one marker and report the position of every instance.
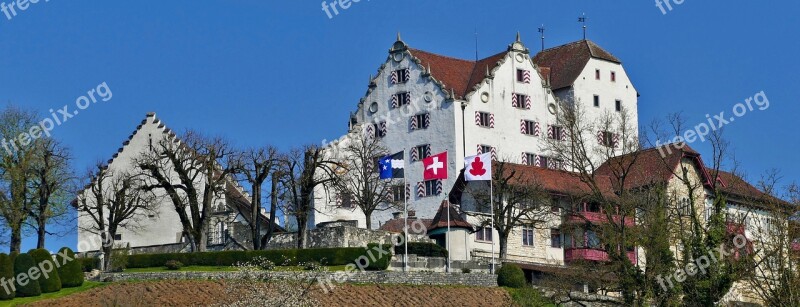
(397, 215)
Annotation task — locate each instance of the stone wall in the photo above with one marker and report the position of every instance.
(339, 236)
(412, 278)
(436, 264)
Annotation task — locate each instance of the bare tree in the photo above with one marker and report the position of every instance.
(16, 170)
(257, 165)
(301, 172)
(358, 183)
(114, 201)
(193, 171)
(51, 185)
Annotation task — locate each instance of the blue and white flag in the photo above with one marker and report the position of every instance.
(392, 166)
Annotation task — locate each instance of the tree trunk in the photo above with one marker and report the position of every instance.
(368, 222)
(41, 232)
(255, 217)
(16, 240)
(503, 246)
(108, 249)
(301, 233)
(273, 207)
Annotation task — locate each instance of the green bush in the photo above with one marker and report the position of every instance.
(422, 249)
(22, 264)
(173, 265)
(466, 270)
(71, 273)
(49, 281)
(88, 264)
(6, 273)
(290, 257)
(383, 258)
(510, 275)
(119, 260)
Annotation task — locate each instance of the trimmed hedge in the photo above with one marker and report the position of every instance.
(510, 275)
(22, 264)
(422, 250)
(6, 273)
(324, 256)
(71, 273)
(51, 282)
(379, 260)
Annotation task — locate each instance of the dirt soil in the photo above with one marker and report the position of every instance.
(207, 293)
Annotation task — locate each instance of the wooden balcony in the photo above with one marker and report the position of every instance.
(597, 218)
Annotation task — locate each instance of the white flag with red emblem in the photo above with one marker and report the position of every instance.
(478, 168)
(435, 167)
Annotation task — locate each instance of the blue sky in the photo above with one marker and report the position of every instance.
(283, 73)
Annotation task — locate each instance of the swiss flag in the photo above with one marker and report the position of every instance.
(435, 166)
(478, 168)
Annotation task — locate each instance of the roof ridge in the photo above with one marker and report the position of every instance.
(441, 55)
(563, 45)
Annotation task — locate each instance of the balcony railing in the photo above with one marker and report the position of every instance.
(597, 218)
(590, 254)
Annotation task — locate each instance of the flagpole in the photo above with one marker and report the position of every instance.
(447, 236)
(491, 205)
(405, 218)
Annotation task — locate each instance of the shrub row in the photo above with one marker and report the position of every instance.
(422, 250)
(382, 259)
(324, 256)
(37, 276)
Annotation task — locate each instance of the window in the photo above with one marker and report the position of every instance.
(520, 101)
(608, 139)
(592, 241)
(613, 76)
(555, 206)
(346, 201)
(527, 236)
(618, 105)
(556, 133)
(420, 152)
(684, 207)
(398, 194)
(380, 130)
(596, 101)
(400, 99)
(400, 76)
(484, 119)
(117, 237)
(529, 128)
(597, 74)
(544, 160)
(523, 76)
(485, 149)
(484, 234)
(530, 159)
(432, 187)
(420, 121)
(555, 238)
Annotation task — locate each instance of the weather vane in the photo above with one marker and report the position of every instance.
(541, 30)
(583, 20)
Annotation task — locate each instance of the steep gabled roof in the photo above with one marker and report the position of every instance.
(651, 166)
(566, 62)
(457, 75)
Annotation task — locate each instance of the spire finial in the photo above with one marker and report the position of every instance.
(488, 74)
(453, 93)
(583, 20)
(518, 38)
(429, 68)
(398, 37)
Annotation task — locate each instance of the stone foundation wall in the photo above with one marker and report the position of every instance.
(411, 278)
(339, 236)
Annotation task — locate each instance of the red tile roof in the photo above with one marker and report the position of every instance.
(457, 75)
(396, 225)
(456, 221)
(568, 61)
(650, 166)
(554, 181)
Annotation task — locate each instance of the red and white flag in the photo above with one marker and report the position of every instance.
(435, 166)
(478, 168)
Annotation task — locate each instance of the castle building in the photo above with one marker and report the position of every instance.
(422, 103)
